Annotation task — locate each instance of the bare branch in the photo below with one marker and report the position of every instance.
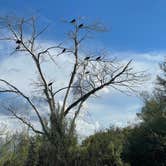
(73, 74)
(75, 116)
(87, 95)
(23, 120)
(17, 91)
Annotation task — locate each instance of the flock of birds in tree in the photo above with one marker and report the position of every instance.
(88, 58)
(18, 46)
(73, 21)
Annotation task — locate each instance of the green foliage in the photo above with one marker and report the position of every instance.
(152, 109)
(105, 148)
(14, 150)
(146, 143)
(161, 82)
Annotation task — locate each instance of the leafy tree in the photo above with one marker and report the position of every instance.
(31, 159)
(105, 148)
(14, 150)
(154, 108)
(146, 143)
(161, 82)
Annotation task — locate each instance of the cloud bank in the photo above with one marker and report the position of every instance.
(111, 108)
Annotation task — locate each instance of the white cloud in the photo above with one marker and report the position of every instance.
(20, 70)
(85, 128)
(154, 57)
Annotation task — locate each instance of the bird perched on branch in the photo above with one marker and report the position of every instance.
(98, 58)
(18, 41)
(63, 50)
(18, 47)
(73, 21)
(81, 25)
(50, 84)
(87, 72)
(87, 58)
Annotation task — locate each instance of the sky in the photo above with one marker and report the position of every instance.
(136, 30)
(140, 21)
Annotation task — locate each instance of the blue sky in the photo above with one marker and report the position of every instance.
(134, 25)
(137, 30)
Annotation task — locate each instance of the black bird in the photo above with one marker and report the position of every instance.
(63, 50)
(18, 41)
(73, 21)
(98, 58)
(18, 47)
(81, 25)
(87, 58)
(50, 83)
(87, 72)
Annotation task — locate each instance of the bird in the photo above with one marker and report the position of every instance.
(63, 50)
(98, 58)
(18, 47)
(81, 25)
(50, 84)
(73, 21)
(87, 72)
(87, 58)
(18, 41)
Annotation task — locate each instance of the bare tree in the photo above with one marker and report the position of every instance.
(89, 75)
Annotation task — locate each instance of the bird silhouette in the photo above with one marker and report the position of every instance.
(87, 72)
(98, 58)
(63, 50)
(87, 58)
(81, 25)
(18, 47)
(73, 21)
(50, 84)
(18, 41)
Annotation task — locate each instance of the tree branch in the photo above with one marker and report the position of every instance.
(17, 91)
(24, 121)
(87, 95)
(74, 68)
